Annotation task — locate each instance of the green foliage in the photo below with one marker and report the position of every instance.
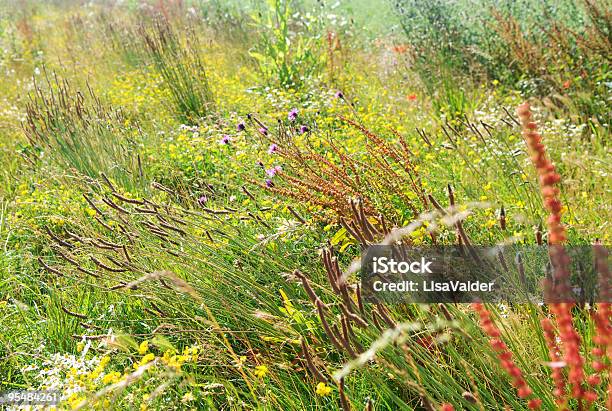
(288, 51)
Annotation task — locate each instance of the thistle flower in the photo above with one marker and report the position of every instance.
(260, 164)
(272, 149)
(273, 171)
(225, 139)
(304, 129)
(263, 131)
(269, 183)
(293, 114)
(202, 200)
(241, 126)
(339, 95)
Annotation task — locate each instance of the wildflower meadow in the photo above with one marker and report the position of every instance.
(191, 191)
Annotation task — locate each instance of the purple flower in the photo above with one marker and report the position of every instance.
(272, 172)
(272, 149)
(225, 139)
(202, 200)
(241, 126)
(293, 114)
(339, 94)
(263, 131)
(269, 183)
(260, 164)
(304, 129)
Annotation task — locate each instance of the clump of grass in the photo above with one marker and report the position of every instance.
(180, 65)
(77, 131)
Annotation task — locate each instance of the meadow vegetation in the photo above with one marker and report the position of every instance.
(185, 187)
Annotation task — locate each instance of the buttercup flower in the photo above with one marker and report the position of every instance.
(143, 348)
(323, 389)
(261, 371)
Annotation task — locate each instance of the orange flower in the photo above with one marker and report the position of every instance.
(400, 48)
(567, 84)
(411, 97)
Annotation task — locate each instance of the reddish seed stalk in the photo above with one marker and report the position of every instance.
(558, 292)
(505, 355)
(555, 357)
(602, 339)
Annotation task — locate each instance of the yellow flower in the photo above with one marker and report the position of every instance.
(146, 359)
(104, 360)
(143, 348)
(261, 371)
(76, 402)
(177, 360)
(111, 377)
(323, 389)
(80, 346)
(490, 223)
(187, 397)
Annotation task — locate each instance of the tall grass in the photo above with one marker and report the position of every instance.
(77, 131)
(180, 64)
